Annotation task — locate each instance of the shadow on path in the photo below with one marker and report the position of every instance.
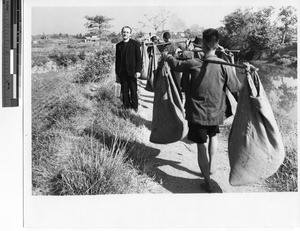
(184, 185)
(177, 184)
(146, 158)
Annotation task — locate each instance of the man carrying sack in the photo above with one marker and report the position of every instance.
(205, 103)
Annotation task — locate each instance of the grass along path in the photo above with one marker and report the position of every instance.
(175, 165)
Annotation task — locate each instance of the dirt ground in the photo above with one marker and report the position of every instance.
(176, 164)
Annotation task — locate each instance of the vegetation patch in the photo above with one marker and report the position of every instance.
(82, 140)
(286, 178)
(97, 66)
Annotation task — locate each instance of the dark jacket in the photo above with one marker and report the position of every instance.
(133, 59)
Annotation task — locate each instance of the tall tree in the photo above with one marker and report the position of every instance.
(248, 30)
(97, 25)
(288, 17)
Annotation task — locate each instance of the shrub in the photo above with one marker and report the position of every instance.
(115, 40)
(93, 169)
(294, 62)
(39, 60)
(82, 55)
(276, 57)
(80, 138)
(284, 61)
(97, 67)
(63, 59)
(63, 108)
(264, 56)
(292, 53)
(70, 46)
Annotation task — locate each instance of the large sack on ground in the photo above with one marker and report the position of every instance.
(255, 145)
(168, 122)
(152, 68)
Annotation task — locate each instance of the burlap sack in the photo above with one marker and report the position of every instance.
(152, 68)
(145, 61)
(255, 145)
(168, 122)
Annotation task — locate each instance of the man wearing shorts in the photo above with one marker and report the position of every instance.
(205, 100)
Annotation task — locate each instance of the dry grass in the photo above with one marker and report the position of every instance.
(286, 178)
(83, 142)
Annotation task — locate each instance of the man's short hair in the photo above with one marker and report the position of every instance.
(210, 38)
(167, 35)
(126, 27)
(153, 38)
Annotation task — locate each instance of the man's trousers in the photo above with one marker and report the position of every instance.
(129, 92)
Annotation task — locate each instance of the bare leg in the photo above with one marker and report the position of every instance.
(204, 164)
(212, 150)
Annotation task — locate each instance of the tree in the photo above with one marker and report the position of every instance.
(156, 21)
(98, 24)
(250, 31)
(288, 17)
(138, 35)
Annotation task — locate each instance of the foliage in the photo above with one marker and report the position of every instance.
(288, 17)
(97, 66)
(79, 36)
(93, 169)
(63, 59)
(286, 178)
(115, 40)
(82, 55)
(287, 99)
(98, 24)
(138, 35)
(79, 140)
(285, 55)
(114, 37)
(253, 32)
(39, 60)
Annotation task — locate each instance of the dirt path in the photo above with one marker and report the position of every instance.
(176, 164)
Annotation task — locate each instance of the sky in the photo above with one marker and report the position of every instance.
(70, 19)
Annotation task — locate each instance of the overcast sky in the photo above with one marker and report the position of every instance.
(70, 19)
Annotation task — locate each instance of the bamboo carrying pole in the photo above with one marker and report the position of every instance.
(224, 63)
(161, 44)
(214, 61)
(252, 68)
